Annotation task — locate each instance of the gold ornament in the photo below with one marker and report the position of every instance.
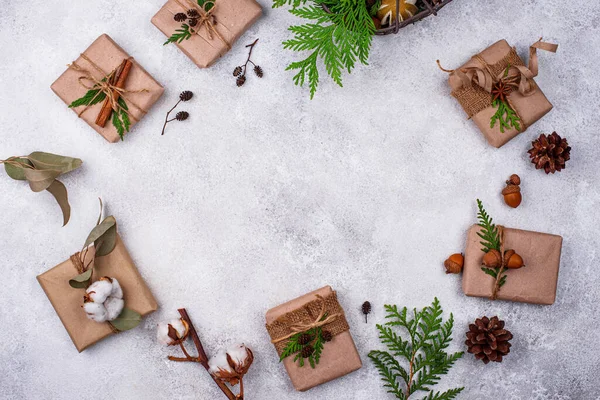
(387, 10)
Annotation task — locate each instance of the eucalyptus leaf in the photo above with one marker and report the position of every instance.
(64, 164)
(16, 172)
(103, 233)
(128, 319)
(59, 191)
(83, 280)
(40, 179)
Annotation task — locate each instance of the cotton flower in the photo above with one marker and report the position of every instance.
(103, 300)
(172, 332)
(232, 364)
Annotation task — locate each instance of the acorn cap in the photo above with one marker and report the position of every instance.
(509, 189)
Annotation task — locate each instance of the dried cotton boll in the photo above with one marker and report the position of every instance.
(238, 353)
(172, 332)
(116, 289)
(113, 306)
(95, 311)
(231, 365)
(218, 363)
(99, 291)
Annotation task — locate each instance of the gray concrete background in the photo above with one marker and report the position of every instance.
(263, 195)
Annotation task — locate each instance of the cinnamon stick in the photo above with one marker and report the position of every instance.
(119, 81)
(202, 357)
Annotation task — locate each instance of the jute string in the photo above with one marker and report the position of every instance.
(206, 18)
(474, 95)
(324, 312)
(106, 86)
(502, 265)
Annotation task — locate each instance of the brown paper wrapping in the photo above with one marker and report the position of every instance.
(530, 108)
(68, 301)
(105, 53)
(534, 283)
(233, 18)
(339, 356)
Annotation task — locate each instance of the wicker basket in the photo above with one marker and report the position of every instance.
(429, 7)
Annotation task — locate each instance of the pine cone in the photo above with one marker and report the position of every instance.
(488, 340)
(186, 95)
(193, 22)
(327, 336)
(182, 116)
(237, 71)
(305, 339)
(240, 80)
(258, 71)
(307, 351)
(192, 13)
(550, 153)
(180, 17)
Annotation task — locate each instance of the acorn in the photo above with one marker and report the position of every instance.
(513, 260)
(492, 259)
(512, 191)
(454, 264)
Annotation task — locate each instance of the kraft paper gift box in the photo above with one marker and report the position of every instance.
(536, 282)
(477, 102)
(68, 301)
(339, 356)
(101, 58)
(231, 19)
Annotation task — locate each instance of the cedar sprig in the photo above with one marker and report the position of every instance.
(240, 71)
(184, 96)
(418, 362)
(340, 34)
(188, 21)
(294, 346)
(489, 231)
(504, 115)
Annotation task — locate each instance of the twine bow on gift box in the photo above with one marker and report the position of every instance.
(498, 81)
(110, 89)
(205, 18)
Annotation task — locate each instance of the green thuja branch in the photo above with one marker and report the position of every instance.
(340, 34)
(418, 362)
(186, 31)
(489, 231)
(180, 35)
(120, 118)
(505, 116)
(295, 347)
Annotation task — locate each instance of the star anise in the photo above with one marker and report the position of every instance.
(500, 91)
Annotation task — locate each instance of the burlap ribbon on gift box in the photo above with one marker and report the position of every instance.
(474, 95)
(325, 312)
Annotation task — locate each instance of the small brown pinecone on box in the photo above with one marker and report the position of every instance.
(305, 338)
(550, 152)
(307, 351)
(488, 340)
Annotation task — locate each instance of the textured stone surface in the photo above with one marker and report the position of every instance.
(263, 195)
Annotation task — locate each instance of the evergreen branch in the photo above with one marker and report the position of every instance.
(93, 96)
(424, 353)
(505, 115)
(180, 35)
(319, 345)
(489, 231)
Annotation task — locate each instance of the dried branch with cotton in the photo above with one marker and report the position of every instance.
(225, 367)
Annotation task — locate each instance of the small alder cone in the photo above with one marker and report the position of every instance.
(488, 340)
(454, 264)
(103, 300)
(304, 339)
(512, 191)
(307, 351)
(173, 332)
(327, 336)
(232, 364)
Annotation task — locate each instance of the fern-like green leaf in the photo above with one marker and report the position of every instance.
(423, 353)
(91, 97)
(489, 231)
(179, 35)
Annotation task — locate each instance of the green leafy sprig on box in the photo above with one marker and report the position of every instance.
(294, 347)
(418, 362)
(339, 34)
(41, 171)
(185, 32)
(491, 240)
(504, 115)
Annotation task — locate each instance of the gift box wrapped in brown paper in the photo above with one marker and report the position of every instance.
(534, 283)
(68, 301)
(216, 30)
(528, 101)
(140, 90)
(339, 356)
